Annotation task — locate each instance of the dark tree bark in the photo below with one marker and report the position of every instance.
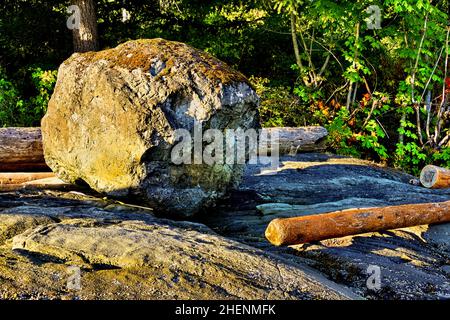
(86, 37)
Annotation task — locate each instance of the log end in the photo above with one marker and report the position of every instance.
(428, 176)
(275, 233)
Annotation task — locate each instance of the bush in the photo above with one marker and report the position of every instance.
(10, 102)
(16, 111)
(279, 106)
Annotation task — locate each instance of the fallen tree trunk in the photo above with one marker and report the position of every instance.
(434, 177)
(50, 183)
(22, 177)
(293, 140)
(21, 150)
(297, 230)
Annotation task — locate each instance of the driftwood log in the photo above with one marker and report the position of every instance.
(50, 183)
(434, 177)
(297, 230)
(21, 150)
(293, 140)
(23, 177)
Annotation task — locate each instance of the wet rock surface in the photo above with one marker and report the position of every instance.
(124, 251)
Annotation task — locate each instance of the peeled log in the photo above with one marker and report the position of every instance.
(50, 183)
(21, 150)
(297, 230)
(23, 177)
(434, 177)
(295, 139)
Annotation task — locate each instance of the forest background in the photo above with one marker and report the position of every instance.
(374, 73)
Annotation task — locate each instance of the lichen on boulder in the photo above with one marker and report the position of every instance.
(112, 119)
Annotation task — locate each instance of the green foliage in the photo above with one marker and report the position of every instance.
(377, 91)
(44, 82)
(16, 111)
(9, 101)
(279, 106)
(371, 138)
(356, 134)
(442, 158)
(409, 155)
(406, 59)
(340, 134)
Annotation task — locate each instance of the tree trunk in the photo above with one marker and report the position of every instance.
(50, 183)
(85, 38)
(21, 148)
(298, 59)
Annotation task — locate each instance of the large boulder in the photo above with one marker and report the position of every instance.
(112, 121)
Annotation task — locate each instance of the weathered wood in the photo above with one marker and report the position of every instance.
(293, 140)
(49, 183)
(21, 150)
(297, 230)
(434, 177)
(23, 177)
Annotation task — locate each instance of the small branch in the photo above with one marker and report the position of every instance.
(311, 66)
(401, 137)
(432, 73)
(444, 140)
(324, 66)
(382, 127)
(428, 108)
(374, 104)
(355, 57)
(295, 41)
(418, 123)
(413, 76)
(354, 93)
(367, 86)
(437, 130)
(336, 91)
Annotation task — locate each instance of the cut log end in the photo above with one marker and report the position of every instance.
(428, 176)
(274, 233)
(434, 177)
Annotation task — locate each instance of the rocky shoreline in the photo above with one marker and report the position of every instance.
(124, 251)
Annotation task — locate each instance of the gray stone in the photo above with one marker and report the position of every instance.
(126, 253)
(410, 259)
(439, 236)
(446, 269)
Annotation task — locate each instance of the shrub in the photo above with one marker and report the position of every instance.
(17, 111)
